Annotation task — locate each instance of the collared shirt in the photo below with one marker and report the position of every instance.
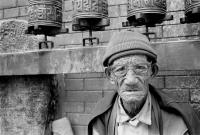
(137, 125)
(142, 123)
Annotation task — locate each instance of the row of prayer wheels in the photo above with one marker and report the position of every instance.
(45, 16)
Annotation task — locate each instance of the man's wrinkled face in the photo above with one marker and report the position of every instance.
(131, 74)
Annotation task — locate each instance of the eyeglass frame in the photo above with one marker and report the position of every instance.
(110, 68)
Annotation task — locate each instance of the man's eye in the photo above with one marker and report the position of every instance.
(119, 69)
(141, 67)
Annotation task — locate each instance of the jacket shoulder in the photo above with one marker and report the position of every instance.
(101, 111)
(173, 124)
(184, 110)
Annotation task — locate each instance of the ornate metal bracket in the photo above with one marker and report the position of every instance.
(45, 17)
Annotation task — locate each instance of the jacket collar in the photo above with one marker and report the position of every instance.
(105, 103)
(165, 102)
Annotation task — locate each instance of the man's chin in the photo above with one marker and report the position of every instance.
(131, 98)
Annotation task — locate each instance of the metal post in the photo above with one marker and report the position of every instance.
(147, 32)
(90, 37)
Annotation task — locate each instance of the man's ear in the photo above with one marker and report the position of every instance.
(109, 75)
(154, 69)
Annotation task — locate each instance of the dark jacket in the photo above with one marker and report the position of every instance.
(103, 109)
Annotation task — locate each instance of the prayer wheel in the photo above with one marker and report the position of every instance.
(192, 7)
(146, 11)
(45, 16)
(90, 14)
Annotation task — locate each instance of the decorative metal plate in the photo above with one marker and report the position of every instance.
(45, 13)
(90, 8)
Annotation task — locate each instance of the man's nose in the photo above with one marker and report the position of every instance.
(131, 78)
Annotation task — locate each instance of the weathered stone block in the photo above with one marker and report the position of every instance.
(123, 10)
(83, 96)
(24, 104)
(23, 11)
(13, 37)
(113, 11)
(89, 107)
(98, 84)
(181, 30)
(22, 3)
(158, 82)
(1, 14)
(83, 75)
(8, 4)
(68, 5)
(67, 16)
(175, 5)
(76, 107)
(74, 84)
(196, 108)
(11, 12)
(116, 2)
(108, 92)
(182, 82)
(68, 39)
(195, 95)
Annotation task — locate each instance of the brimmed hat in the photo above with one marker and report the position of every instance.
(126, 43)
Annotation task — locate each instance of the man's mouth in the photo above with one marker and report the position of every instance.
(131, 89)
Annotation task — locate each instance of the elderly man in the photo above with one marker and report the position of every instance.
(137, 108)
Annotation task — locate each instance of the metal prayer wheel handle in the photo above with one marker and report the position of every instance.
(46, 44)
(90, 41)
(150, 33)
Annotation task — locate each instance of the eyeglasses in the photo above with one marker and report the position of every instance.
(139, 69)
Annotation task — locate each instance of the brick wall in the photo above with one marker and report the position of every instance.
(80, 92)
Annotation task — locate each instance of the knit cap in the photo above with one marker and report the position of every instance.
(126, 43)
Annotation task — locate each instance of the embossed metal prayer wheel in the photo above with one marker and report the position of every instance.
(90, 14)
(192, 11)
(45, 16)
(146, 12)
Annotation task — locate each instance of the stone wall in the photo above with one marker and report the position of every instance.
(78, 73)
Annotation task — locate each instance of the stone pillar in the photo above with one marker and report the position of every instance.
(24, 102)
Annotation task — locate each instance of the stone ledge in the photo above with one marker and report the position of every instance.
(181, 55)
